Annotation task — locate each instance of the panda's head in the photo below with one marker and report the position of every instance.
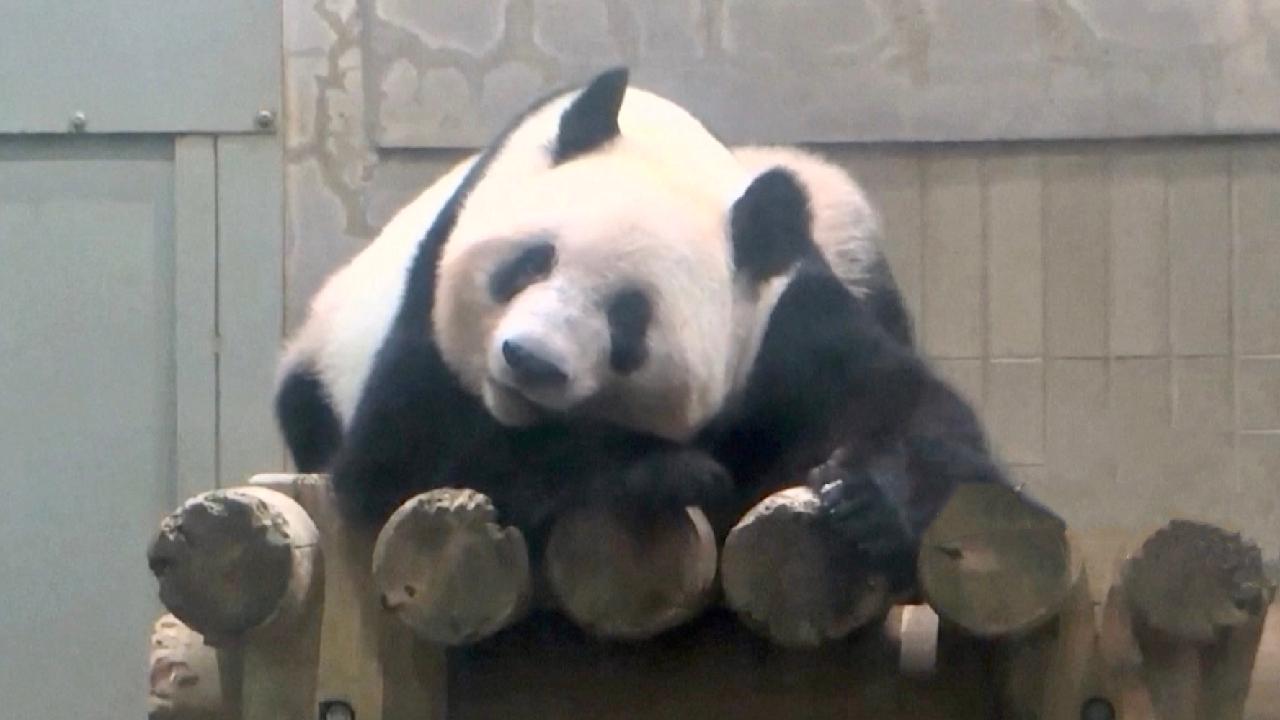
(599, 286)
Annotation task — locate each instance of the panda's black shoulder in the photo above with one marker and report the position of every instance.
(307, 419)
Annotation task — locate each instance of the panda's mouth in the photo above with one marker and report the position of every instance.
(509, 405)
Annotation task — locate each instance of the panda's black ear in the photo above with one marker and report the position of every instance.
(770, 226)
(591, 120)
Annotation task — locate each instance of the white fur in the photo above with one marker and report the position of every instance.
(616, 222)
(351, 313)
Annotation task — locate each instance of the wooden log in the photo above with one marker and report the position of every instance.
(1199, 599)
(784, 580)
(1263, 701)
(1121, 659)
(184, 679)
(1052, 671)
(630, 578)
(354, 656)
(996, 564)
(1189, 580)
(445, 567)
(235, 560)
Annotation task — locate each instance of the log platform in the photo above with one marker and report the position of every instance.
(277, 609)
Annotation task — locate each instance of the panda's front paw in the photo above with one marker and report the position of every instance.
(670, 479)
(864, 520)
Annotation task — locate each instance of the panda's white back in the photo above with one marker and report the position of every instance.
(350, 315)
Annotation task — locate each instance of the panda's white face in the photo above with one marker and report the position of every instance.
(597, 289)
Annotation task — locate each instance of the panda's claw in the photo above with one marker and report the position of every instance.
(860, 515)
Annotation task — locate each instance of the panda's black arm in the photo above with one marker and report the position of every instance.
(412, 424)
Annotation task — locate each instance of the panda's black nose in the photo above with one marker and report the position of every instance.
(530, 368)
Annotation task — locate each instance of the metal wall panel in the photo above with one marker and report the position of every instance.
(195, 327)
(87, 377)
(250, 304)
(159, 66)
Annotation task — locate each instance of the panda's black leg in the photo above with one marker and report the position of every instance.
(863, 508)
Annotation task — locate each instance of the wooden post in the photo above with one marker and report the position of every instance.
(244, 567)
(361, 656)
(1263, 701)
(631, 578)
(781, 577)
(445, 568)
(183, 677)
(1199, 600)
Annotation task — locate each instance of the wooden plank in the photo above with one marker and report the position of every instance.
(1256, 217)
(1141, 409)
(250, 303)
(954, 268)
(1199, 252)
(195, 314)
(1076, 241)
(1080, 447)
(1263, 702)
(1139, 255)
(1015, 263)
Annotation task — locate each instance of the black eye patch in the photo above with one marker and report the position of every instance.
(534, 261)
(629, 314)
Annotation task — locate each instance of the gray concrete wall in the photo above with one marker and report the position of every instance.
(1111, 306)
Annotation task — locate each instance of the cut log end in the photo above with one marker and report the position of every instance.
(783, 580)
(230, 561)
(994, 563)
(631, 578)
(183, 674)
(1191, 579)
(448, 570)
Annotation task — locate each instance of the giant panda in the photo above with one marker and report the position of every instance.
(548, 323)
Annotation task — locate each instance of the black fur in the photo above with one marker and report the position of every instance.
(534, 261)
(310, 425)
(591, 120)
(770, 225)
(629, 313)
(838, 395)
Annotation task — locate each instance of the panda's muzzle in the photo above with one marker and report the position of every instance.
(532, 370)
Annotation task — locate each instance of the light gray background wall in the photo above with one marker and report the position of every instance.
(1111, 305)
